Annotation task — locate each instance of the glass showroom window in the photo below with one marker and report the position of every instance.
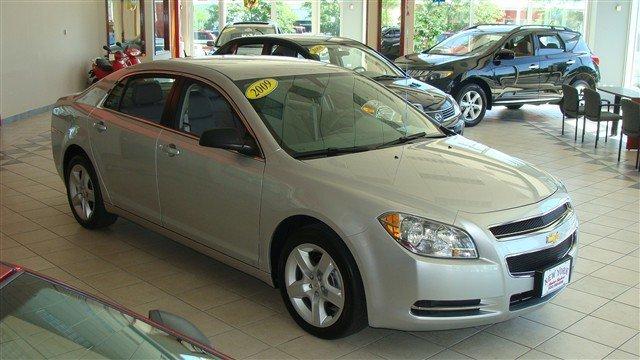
(434, 22)
(293, 16)
(390, 28)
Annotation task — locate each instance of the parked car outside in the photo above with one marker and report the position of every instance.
(43, 318)
(508, 65)
(242, 29)
(356, 56)
(202, 42)
(390, 42)
(323, 183)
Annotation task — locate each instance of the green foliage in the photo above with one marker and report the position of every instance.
(387, 17)
(205, 17)
(329, 16)
(433, 19)
(237, 12)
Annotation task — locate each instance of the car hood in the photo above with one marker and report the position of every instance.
(452, 173)
(425, 61)
(417, 92)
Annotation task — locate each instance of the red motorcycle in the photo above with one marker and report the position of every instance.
(122, 58)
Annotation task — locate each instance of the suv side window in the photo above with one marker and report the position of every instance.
(550, 44)
(521, 45)
(204, 108)
(145, 96)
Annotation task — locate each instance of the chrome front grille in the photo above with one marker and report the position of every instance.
(446, 112)
(528, 263)
(530, 225)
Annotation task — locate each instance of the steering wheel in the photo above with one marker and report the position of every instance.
(359, 69)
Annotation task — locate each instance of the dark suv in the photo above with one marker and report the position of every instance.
(489, 65)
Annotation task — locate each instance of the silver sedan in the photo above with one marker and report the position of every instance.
(320, 182)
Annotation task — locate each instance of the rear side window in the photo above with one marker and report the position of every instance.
(574, 42)
(550, 44)
(113, 100)
(145, 97)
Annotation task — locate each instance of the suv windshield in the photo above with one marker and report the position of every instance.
(467, 42)
(233, 32)
(329, 114)
(43, 320)
(359, 59)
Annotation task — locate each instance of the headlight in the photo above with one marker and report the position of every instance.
(436, 74)
(429, 238)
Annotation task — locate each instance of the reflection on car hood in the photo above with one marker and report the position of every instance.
(424, 61)
(454, 173)
(417, 92)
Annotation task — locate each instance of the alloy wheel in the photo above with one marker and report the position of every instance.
(314, 285)
(81, 191)
(471, 105)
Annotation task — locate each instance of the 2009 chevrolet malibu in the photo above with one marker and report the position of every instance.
(323, 183)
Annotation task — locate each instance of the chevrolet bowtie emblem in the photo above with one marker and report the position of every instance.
(553, 238)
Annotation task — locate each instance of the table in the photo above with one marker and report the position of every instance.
(618, 93)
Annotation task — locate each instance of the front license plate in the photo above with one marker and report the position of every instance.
(553, 278)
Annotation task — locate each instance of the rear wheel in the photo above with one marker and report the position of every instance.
(320, 284)
(473, 103)
(84, 196)
(580, 85)
(514, 107)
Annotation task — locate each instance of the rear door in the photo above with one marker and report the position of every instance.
(210, 195)
(123, 136)
(518, 79)
(555, 64)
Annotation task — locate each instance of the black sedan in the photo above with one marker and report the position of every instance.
(351, 54)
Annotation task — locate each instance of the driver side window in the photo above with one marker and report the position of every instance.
(521, 45)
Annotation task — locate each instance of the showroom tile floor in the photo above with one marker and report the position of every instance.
(596, 317)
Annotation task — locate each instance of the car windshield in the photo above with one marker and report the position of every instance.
(44, 320)
(329, 114)
(467, 42)
(233, 32)
(359, 59)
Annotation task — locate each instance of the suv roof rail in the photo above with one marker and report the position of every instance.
(528, 26)
(252, 23)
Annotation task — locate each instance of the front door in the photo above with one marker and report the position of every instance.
(555, 63)
(123, 140)
(210, 195)
(518, 79)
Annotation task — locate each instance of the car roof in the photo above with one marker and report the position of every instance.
(251, 24)
(241, 67)
(302, 39)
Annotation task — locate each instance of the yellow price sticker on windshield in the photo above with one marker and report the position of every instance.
(261, 88)
(315, 50)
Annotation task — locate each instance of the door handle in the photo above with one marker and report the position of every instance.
(171, 150)
(100, 126)
(534, 66)
(571, 62)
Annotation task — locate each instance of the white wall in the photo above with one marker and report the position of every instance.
(38, 62)
(608, 34)
(352, 19)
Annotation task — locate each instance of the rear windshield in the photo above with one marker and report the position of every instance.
(233, 32)
(43, 320)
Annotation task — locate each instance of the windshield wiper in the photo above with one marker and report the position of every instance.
(406, 139)
(387, 76)
(330, 152)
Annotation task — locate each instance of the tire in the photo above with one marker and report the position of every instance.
(473, 95)
(514, 107)
(84, 195)
(311, 245)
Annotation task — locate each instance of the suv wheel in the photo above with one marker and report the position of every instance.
(579, 84)
(473, 103)
(320, 284)
(84, 196)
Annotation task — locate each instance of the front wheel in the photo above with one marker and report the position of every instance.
(473, 103)
(320, 284)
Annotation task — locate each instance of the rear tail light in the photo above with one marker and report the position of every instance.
(596, 59)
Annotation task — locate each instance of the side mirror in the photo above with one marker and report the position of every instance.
(211, 43)
(229, 139)
(505, 54)
(178, 324)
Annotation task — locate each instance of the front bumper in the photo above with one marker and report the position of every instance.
(396, 280)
